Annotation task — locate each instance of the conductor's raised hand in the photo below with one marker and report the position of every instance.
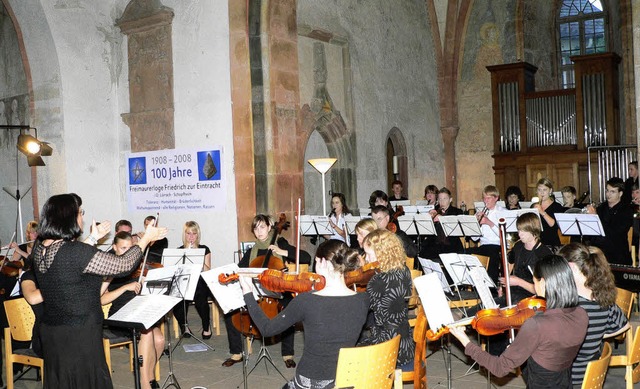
(99, 231)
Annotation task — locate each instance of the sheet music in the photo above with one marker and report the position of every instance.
(350, 222)
(320, 227)
(511, 216)
(590, 224)
(171, 257)
(437, 309)
(184, 277)
(423, 224)
(425, 208)
(480, 205)
(461, 225)
(459, 265)
(229, 296)
(483, 288)
(429, 266)
(399, 203)
(146, 310)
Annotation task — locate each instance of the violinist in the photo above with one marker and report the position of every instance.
(490, 239)
(262, 229)
(191, 236)
(548, 342)
(24, 250)
(339, 210)
(151, 342)
(332, 317)
(363, 228)
(380, 215)
(597, 294)
(388, 290)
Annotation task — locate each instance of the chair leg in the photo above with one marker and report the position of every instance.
(215, 317)
(176, 329)
(157, 371)
(107, 353)
(131, 357)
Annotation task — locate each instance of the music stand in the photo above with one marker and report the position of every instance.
(459, 267)
(424, 208)
(315, 226)
(511, 216)
(139, 314)
(399, 203)
(580, 224)
(417, 225)
(350, 222)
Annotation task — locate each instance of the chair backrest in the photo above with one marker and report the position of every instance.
(597, 370)
(368, 367)
(420, 359)
(21, 319)
(413, 299)
(624, 299)
(105, 310)
(484, 260)
(410, 262)
(564, 239)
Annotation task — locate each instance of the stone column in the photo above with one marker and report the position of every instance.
(147, 24)
(449, 135)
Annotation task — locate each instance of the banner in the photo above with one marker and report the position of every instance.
(176, 181)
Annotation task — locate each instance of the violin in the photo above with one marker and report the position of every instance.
(277, 281)
(362, 275)
(147, 267)
(10, 268)
(493, 321)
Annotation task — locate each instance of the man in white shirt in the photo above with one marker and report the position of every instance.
(490, 239)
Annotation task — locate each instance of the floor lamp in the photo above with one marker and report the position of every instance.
(323, 165)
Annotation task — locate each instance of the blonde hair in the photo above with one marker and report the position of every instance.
(190, 226)
(367, 224)
(388, 249)
(546, 182)
(491, 190)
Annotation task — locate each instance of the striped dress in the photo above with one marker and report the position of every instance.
(602, 321)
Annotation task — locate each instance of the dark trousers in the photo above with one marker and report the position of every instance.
(201, 300)
(495, 259)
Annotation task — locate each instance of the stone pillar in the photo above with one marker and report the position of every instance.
(449, 135)
(147, 24)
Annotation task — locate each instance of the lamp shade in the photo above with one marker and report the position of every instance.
(28, 145)
(322, 164)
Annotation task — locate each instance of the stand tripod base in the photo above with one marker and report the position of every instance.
(262, 354)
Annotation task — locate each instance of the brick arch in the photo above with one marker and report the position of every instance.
(396, 138)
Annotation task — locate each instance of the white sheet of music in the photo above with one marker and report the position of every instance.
(229, 296)
(145, 309)
(482, 287)
(437, 308)
(459, 265)
(185, 280)
(429, 266)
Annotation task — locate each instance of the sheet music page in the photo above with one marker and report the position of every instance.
(229, 296)
(437, 309)
(483, 288)
(473, 262)
(145, 309)
(430, 266)
(450, 225)
(456, 268)
(171, 257)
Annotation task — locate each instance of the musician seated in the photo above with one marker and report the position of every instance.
(616, 218)
(157, 247)
(396, 189)
(381, 216)
(364, 228)
(490, 239)
(434, 245)
(281, 249)
(547, 342)
(332, 317)
(431, 195)
(151, 343)
(514, 196)
(597, 293)
(569, 195)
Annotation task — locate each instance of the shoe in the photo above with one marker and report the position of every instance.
(230, 362)
(207, 336)
(154, 384)
(186, 335)
(290, 363)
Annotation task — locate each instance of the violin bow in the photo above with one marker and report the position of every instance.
(298, 236)
(146, 251)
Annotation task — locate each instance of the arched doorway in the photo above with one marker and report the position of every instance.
(396, 156)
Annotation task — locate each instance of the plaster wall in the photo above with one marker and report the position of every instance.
(79, 70)
(393, 85)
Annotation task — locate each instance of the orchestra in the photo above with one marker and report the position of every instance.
(370, 274)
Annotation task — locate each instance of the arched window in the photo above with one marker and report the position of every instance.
(582, 31)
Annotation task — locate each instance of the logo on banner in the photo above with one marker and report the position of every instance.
(209, 165)
(137, 171)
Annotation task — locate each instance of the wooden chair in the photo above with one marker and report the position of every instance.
(631, 357)
(413, 299)
(410, 262)
(564, 239)
(419, 373)
(21, 319)
(111, 340)
(597, 370)
(368, 367)
(484, 260)
(624, 300)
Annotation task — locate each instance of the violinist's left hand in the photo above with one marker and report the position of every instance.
(278, 250)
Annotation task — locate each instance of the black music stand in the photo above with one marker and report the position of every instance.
(315, 226)
(510, 217)
(580, 224)
(465, 226)
(417, 225)
(141, 313)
